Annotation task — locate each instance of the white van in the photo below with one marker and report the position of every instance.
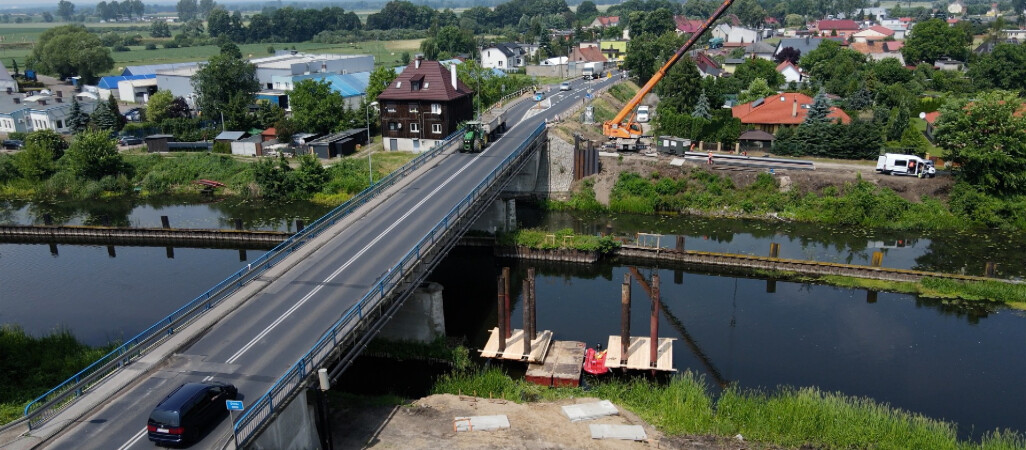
(643, 113)
(899, 164)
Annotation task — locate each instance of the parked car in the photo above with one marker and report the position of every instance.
(565, 86)
(134, 115)
(643, 113)
(182, 416)
(129, 140)
(13, 144)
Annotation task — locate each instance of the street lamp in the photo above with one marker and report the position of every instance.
(370, 171)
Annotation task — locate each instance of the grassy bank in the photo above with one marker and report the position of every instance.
(30, 366)
(560, 239)
(789, 417)
(860, 204)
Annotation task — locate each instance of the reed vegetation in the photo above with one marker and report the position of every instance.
(560, 239)
(787, 416)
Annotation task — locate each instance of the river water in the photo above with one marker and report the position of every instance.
(957, 364)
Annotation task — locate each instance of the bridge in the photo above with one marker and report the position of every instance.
(313, 301)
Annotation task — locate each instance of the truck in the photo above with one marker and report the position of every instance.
(592, 70)
(482, 132)
(901, 164)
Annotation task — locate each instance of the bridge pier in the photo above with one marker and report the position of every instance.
(500, 216)
(420, 319)
(293, 429)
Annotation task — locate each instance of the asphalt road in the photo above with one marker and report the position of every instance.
(258, 342)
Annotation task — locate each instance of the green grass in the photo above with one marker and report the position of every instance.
(560, 239)
(788, 416)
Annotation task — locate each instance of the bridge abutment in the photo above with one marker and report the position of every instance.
(293, 429)
(420, 319)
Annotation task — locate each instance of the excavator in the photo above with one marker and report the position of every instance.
(623, 125)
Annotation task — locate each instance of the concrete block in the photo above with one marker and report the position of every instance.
(589, 411)
(480, 423)
(622, 432)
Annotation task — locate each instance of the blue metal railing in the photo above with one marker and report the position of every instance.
(56, 399)
(265, 407)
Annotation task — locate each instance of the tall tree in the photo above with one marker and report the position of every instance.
(206, 7)
(159, 29)
(157, 106)
(754, 68)
(985, 137)
(316, 107)
(70, 50)
(933, 39)
(1003, 68)
(702, 107)
(380, 78)
(819, 111)
(187, 10)
(788, 54)
(225, 74)
(65, 10)
(78, 120)
(94, 155)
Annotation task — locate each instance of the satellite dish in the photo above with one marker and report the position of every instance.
(922, 115)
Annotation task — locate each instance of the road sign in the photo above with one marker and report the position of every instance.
(234, 405)
(588, 96)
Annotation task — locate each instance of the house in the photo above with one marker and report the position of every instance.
(730, 65)
(109, 86)
(790, 72)
(788, 109)
(804, 44)
(687, 26)
(836, 27)
(898, 26)
(587, 54)
(37, 112)
(613, 50)
(948, 64)
(880, 50)
(874, 33)
(7, 83)
(731, 34)
(1017, 35)
(761, 50)
(423, 105)
(605, 22)
(707, 66)
(506, 56)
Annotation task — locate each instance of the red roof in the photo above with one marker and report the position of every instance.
(837, 24)
(608, 21)
(882, 30)
(588, 54)
(784, 65)
(685, 25)
(430, 81)
(269, 132)
(789, 108)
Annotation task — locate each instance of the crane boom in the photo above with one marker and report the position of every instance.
(617, 127)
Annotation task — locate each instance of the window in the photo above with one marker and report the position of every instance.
(392, 126)
(60, 124)
(426, 84)
(415, 85)
(414, 127)
(390, 107)
(436, 108)
(398, 84)
(414, 107)
(436, 128)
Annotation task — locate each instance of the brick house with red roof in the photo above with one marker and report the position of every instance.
(687, 26)
(605, 22)
(788, 109)
(585, 54)
(423, 105)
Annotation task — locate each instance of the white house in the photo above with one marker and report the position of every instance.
(506, 56)
(37, 112)
(790, 72)
(736, 34)
(873, 33)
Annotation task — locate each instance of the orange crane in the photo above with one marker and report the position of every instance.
(629, 129)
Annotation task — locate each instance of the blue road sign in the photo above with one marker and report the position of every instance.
(233, 405)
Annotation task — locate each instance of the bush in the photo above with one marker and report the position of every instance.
(120, 48)
(151, 46)
(170, 44)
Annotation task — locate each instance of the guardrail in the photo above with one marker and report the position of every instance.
(278, 395)
(49, 404)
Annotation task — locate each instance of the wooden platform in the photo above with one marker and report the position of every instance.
(515, 346)
(561, 367)
(638, 354)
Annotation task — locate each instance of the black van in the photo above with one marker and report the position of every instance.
(181, 417)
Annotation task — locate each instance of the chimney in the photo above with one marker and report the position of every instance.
(416, 62)
(794, 108)
(452, 70)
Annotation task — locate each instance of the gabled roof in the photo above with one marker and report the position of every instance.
(760, 48)
(707, 65)
(111, 82)
(785, 65)
(837, 24)
(589, 54)
(879, 29)
(685, 25)
(789, 108)
(230, 135)
(152, 69)
(608, 21)
(805, 44)
(434, 81)
(875, 47)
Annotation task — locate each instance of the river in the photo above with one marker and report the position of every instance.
(957, 364)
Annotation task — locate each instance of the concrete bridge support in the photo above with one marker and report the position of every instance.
(500, 216)
(420, 319)
(293, 429)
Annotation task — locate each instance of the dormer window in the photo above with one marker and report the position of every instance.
(414, 85)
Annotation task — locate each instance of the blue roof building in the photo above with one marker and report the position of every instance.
(152, 69)
(352, 86)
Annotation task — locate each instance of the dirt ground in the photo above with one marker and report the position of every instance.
(428, 424)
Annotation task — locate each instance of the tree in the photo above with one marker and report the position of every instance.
(14, 66)
(47, 17)
(655, 23)
(94, 155)
(1003, 68)
(38, 160)
(898, 123)
(206, 7)
(933, 39)
(380, 78)
(587, 11)
(219, 22)
(681, 86)
(77, 120)
(65, 10)
(159, 29)
(788, 54)
(156, 108)
(269, 114)
(316, 107)
(819, 112)
(757, 89)
(70, 50)
(225, 75)
(985, 137)
(754, 68)
(106, 118)
(178, 109)
(702, 107)
(187, 10)
(750, 13)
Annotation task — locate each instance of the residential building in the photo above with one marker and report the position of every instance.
(761, 50)
(605, 22)
(7, 82)
(614, 50)
(707, 66)
(874, 33)
(423, 105)
(804, 44)
(732, 34)
(788, 109)
(730, 65)
(790, 72)
(587, 53)
(37, 112)
(1017, 35)
(836, 27)
(948, 64)
(880, 50)
(687, 26)
(507, 56)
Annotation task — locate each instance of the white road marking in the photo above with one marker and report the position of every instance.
(133, 440)
(338, 271)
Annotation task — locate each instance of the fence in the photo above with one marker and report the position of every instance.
(281, 392)
(58, 398)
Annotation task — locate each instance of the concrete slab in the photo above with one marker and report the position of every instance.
(622, 432)
(480, 423)
(678, 162)
(589, 411)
